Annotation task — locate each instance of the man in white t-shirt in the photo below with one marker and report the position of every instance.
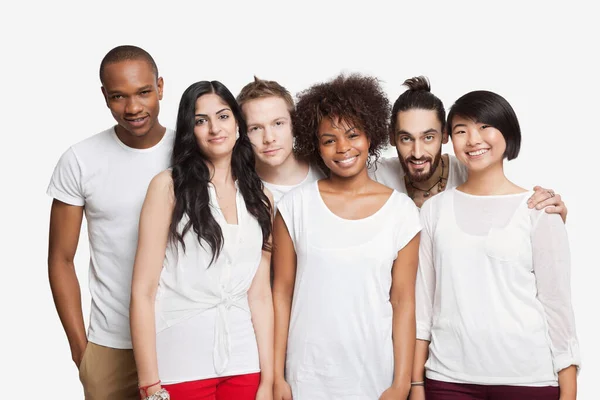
(421, 170)
(268, 108)
(106, 176)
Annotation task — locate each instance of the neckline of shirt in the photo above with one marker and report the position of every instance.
(367, 218)
(113, 134)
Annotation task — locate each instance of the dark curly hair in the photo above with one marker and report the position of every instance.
(191, 174)
(357, 99)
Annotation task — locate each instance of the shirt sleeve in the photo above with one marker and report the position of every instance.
(425, 283)
(409, 224)
(552, 268)
(66, 182)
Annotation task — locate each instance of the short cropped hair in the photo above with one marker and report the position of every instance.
(492, 109)
(261, 88)
(356, 99)
(127, 53)
(417, 96)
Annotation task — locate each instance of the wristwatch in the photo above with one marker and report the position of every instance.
(162, 394)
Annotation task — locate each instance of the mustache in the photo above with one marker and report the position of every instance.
(411, 158)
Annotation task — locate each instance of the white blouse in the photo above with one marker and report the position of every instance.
(340, 335)
(203, 323)
(493, 291)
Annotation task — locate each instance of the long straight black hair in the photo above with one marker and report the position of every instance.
(191, 174)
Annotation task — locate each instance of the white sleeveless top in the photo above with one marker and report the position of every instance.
(340, 335)
(203, 323)
(493, 291)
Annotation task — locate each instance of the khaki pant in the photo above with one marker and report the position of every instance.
(108, 374)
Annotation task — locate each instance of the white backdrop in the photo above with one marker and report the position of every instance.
(541, 57)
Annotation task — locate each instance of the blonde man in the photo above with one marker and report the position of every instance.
(269, 108)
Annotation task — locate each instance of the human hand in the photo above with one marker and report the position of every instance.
(77, 353)
(546, 198)
(282, 390)
(395, 393)
(417, 393)
(265, 391)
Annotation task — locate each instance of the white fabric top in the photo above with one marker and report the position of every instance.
(340, 336)
(314, 174)
(493, 291)
(203, 323)
(110, 179)
(389, 172)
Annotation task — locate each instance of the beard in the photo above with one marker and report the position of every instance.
(421, 176)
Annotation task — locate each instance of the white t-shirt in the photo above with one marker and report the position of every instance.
(110, 180)
(493, 291)
(340, 336)
(389, 172)
(314, 174)
(203, 322)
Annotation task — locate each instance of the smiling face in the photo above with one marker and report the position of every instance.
(477, 145)
(269, 129)
(344, 148)
(132, 93)
(418, 140)
(215, 127)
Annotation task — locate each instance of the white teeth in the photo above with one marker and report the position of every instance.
(418, 162)
(478, 152)
(347, 161)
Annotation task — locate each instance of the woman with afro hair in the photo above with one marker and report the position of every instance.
(345, 256)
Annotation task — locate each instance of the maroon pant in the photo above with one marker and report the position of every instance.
(437, 390)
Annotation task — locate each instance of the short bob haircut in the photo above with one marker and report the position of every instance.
(492, 109)
(355, 99)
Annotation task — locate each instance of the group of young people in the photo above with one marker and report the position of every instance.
(264, 250)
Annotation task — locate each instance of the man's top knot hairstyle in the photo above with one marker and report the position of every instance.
(127, 53)
(418, 96)
(418, 83)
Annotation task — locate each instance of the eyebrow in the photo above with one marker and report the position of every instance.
(331, 134)
(457, 125)
(217, 113)
(428, 131)
(112, 92)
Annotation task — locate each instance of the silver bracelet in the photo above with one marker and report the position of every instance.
(162, 394)
(420, 383)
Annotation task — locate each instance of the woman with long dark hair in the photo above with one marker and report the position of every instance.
(201, 309)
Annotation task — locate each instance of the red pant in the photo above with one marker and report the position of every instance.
(237, 387)
(437, 390)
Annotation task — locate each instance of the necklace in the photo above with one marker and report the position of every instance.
(427, 192)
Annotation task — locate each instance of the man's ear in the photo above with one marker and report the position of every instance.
(159, 84)
(104, 95)
(445, 136)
